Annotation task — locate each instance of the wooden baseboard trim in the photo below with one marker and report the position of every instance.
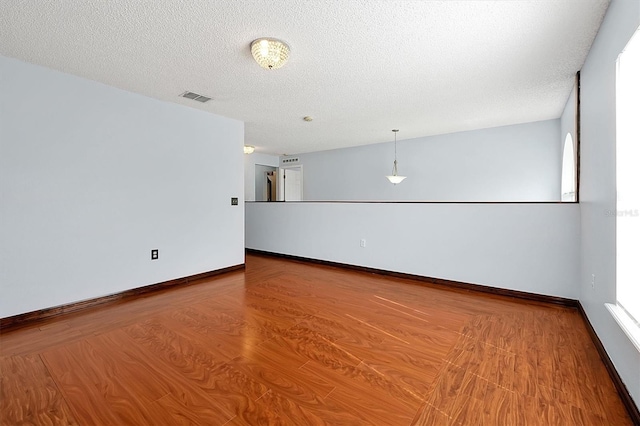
(532, 297)
(22, 320)
(623, 392)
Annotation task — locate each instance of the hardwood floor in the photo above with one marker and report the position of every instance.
(297, 344)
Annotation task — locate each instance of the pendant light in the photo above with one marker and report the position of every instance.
(395, 178)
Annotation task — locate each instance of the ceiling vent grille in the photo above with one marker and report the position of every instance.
(195, 97)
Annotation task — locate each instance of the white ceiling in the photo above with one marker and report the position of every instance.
(359, 67)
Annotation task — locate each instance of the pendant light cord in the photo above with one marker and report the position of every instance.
(395, 144)
(395, 152)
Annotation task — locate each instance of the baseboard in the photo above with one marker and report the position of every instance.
(22, 320)
(628, 402)
(532, 297)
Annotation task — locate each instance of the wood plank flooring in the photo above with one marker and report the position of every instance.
(287, 343)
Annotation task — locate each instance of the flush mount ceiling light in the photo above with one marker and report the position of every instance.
(248, 149)
(395, 178)
(270, 53)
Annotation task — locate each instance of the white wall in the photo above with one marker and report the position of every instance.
(598, 186)
(526, 247)
(92, 178)
(511, 163)
(250, 161)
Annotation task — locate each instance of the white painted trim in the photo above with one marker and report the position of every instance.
(628, 325)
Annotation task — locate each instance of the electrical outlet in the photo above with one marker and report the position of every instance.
(234, 201)
(154, 254)
(363, 243)
(593, 280)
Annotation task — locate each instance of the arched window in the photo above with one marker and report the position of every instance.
(568, 170)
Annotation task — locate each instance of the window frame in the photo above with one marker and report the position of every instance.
(630, 325)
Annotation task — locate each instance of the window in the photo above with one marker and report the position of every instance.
(627, 308)
(568, 170)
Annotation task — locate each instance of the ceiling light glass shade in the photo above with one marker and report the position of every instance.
(248, 149)
(396, 179)
(270, 53)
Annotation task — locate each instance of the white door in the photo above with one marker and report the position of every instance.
(292, 182)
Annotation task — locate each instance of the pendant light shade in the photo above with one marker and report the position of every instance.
(394, 178)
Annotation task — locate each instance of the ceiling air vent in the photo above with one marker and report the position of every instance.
(195, 97)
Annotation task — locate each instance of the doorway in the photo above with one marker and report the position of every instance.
(266, 183)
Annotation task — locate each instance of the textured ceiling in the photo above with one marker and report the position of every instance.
(359, 67)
